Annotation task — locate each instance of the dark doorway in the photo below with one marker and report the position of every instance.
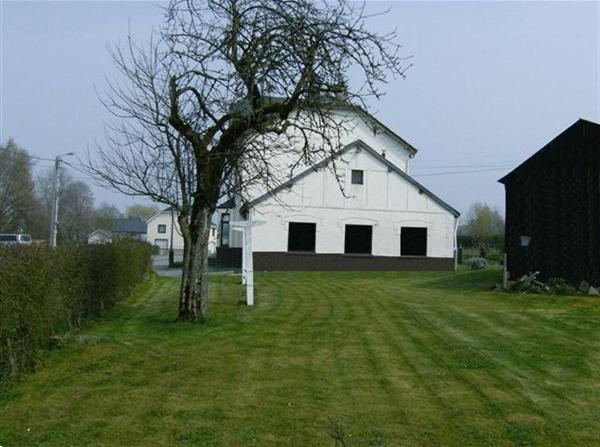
(413, 241)
(358, 239)
(301, 236)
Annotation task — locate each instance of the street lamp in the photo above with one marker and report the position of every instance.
(54, 219)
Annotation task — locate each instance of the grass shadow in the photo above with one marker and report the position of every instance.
(466, 280)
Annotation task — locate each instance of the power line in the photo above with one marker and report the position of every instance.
(466, 166)
(27, 154)
(472, 171)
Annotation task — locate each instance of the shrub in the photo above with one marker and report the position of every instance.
(46, 292)
(477, 263)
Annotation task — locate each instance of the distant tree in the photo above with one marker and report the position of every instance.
(141, 211)
(104, 215)
(76, 213)
(18, 203)
(482, 224)
(44, 189)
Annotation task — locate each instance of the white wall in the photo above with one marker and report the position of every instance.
(356, 127)
(360, 128)
(164, 218)
(98, 238)
(385, 200)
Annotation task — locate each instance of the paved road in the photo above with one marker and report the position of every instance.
(160, 263)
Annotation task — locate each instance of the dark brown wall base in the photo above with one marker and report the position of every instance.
(318, 261)
(229, 257)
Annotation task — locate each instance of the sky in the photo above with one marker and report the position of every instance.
(491, 82)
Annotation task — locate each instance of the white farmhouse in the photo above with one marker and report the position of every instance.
(386, 221)
(164, 232)
(99, 237)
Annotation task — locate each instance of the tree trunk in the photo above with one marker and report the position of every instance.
(193, 297)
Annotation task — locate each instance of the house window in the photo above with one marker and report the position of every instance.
(163, 244)
(357, 177)
(358, 239)
(301, 236)
(225, 230)
(413, 241)
(162, 228)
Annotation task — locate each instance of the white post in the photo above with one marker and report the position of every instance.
(249, 263)
(455, 243)
(54, 218)
(244, 250)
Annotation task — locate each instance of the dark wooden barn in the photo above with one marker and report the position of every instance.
(553, 208)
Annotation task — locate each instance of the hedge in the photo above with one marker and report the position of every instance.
(467, 241)
(46, 292)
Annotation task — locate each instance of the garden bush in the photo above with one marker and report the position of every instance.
(46, 292)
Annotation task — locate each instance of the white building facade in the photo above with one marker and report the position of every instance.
(386, 220)
(164, 232)
(99, 237)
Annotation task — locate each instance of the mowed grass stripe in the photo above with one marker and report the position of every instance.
(480, 380)
(516, 368)
(392, 358)
(445, 396)
(446, 335)
(519, 379)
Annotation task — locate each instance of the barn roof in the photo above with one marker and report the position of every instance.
(344, 105)
(579, 134)
(100, 231)
(361, 144)
(131, 225)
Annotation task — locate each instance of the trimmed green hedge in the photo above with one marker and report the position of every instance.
(47, 292)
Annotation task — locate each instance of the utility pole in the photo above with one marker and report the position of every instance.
(171, 251)
(54, 218)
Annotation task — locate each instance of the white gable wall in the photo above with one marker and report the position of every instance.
(357, 127)
(164, 218)
(385, 200)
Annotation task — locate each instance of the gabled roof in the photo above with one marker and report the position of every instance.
(102, 232)
(166, 210)
(577, 132)
(213, 220)
(362, 145)
(227, 205)
(131, 225)
(341, 104)
(387, 130)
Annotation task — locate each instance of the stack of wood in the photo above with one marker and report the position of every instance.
(556, 286)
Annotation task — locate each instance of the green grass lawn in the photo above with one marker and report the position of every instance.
(379, 358)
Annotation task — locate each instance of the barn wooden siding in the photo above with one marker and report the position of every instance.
(554, 197)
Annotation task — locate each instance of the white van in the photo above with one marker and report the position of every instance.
(15, 239)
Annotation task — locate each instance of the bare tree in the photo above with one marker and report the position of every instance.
(77, 216)
(17, 199)
(483, 224)
(105, 214)
(233, 95)
(143, 212)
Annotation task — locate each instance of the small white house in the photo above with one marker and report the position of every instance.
(386, 221)
(99, 237)
(164, 232)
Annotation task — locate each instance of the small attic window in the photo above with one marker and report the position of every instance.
(357, 177)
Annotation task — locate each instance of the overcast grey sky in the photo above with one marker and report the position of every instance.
(492, 82)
